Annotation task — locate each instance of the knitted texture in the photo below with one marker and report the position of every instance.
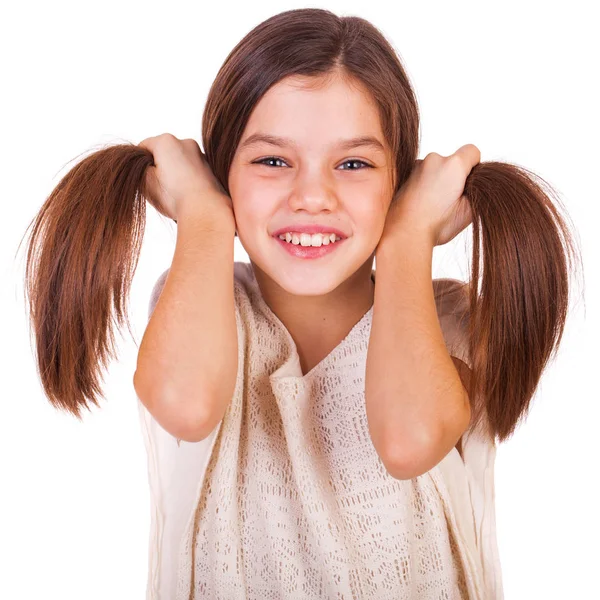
(295, 502)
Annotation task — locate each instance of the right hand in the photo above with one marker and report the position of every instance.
(182, 180)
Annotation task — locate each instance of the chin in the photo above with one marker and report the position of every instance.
(305, 283)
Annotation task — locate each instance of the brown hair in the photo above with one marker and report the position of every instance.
(86, 238)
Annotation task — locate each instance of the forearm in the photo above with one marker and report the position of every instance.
(187, 361)
(413, 391)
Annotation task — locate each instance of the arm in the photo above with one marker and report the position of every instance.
(187, 360)
(417, 406)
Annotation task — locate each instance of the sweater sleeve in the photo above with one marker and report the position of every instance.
(452, 300)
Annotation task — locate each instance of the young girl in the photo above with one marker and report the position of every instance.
(315, 428)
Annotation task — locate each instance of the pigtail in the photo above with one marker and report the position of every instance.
(517, 318)
(81, 257)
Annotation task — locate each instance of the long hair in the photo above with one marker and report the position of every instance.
(86, 238)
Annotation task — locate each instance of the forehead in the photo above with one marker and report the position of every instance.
(311, 113)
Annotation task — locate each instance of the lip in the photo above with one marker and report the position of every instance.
(299, 251)
(310, 229)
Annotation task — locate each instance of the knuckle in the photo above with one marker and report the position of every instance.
(192, 144)
(167, 139)
(455, 161)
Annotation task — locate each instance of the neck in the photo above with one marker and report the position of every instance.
(318, 323)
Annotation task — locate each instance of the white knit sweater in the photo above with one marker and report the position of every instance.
(287, 497)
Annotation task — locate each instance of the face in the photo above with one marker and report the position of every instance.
(311, 179)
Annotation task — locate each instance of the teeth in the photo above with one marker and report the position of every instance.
(306, 239)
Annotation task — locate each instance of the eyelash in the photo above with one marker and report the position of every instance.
(262, 161)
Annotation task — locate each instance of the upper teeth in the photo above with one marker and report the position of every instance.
(306, 239)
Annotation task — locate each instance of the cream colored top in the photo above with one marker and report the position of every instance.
(287, 497)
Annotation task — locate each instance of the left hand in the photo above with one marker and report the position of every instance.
(430, 202)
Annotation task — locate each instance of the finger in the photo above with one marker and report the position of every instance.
(470, 154)
(151, 185)
(149, 143)
(191, 142)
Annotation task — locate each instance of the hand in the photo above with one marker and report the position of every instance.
(431, 202)
(182, 180)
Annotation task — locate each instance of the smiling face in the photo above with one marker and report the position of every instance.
(312, 179)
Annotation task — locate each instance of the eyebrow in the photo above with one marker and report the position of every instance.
(283, 142)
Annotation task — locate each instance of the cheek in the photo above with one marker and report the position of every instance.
(372, 215)
(253, 210)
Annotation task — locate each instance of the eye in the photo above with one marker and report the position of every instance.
(356, 160)
(262, 161)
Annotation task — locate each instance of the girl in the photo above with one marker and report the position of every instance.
(314, 428)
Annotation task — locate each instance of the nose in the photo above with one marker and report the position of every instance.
(313, 193)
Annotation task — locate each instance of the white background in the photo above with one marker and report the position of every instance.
(516, 79)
